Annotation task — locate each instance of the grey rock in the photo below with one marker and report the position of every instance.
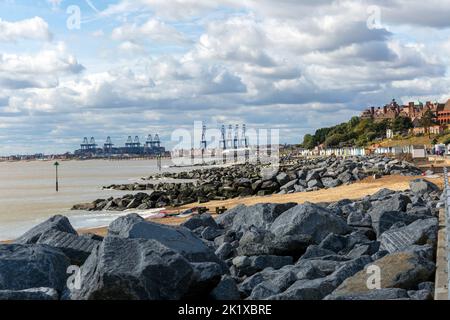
(224, 251)
(426, 286)
(260, 242)
(359, 219)
(32, 266)
(348, 269)
(329, 182)
(334, 242)
(314, 251)
(420, 232)
(366, 249)
(314, 268)
(210, 233)
(228, 237)
(384, 220)
(205, 278)
(260, 215)
(346, 177)
(134, 269)
(58, 222)
(381, 194)
(180, 239)
(202, 220)
(312, 175)
(225, 220)
(272, 287)
(76, 248)
(282, 178)
(420, 295)
(310, 220)
(289, 186)
(420, 211)
(247, 286)
(396, 202)
(315, 289)
(318, 289)
(246, 266)
(315, 183)
(226, 290)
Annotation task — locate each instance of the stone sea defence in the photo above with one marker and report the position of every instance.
(266, 251)
(248, 180)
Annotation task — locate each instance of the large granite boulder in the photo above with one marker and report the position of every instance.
(384, 220)
(179, 239)
(226, 290)
(310, 220)
(282, 178)
(58, 223)
(205, 278)
(202, 220)
(260, 215)
(359, 219)
(315, 289)
(76, 248)
(133, 269)
(420, 232)
(315, 268)
(225, 220)
(396, 202)
(274, 286)
(268, 274)
(246, 266)
(32, 266)
(319, 288)
(256, 242)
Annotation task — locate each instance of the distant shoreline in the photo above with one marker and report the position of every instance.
(75, 159)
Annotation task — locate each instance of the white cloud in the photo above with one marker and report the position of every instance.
(39, 70)
(35, 29)
(152, 30)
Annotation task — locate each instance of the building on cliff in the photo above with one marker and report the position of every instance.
(412, 110)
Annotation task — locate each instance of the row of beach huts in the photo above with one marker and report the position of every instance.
(416, 151)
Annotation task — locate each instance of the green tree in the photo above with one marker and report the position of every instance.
(353, 122)
(428, 119)
(335, 140)
(401, 124)
(308, 141)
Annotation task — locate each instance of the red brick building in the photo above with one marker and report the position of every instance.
(443, 114)
(414, 111)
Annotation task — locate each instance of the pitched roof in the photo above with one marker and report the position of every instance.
(447, 105)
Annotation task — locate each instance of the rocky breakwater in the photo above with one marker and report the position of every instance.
(249, 180)
(266, 251)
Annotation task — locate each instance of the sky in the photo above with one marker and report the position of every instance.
(76, 68)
